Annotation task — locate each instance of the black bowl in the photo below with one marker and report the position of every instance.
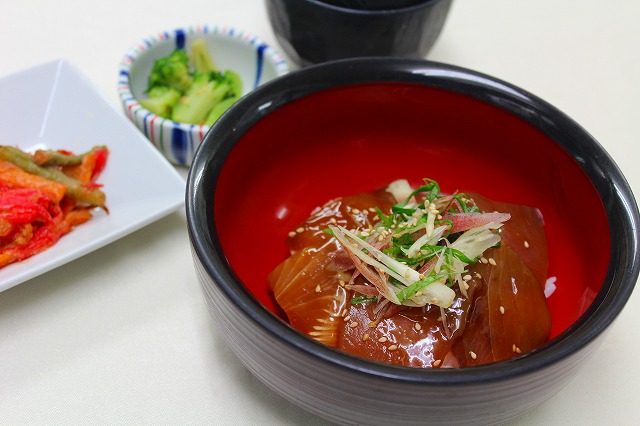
(339, 128)
(313, 31)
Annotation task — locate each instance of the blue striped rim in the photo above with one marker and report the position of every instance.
(178, 145)
(259, 63)
(145, 128)
(180, 38)
(191, 149)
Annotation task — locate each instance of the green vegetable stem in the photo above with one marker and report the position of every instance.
(75, 189)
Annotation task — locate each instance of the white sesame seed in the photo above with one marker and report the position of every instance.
(333, 220)
(418, 327)
(318, 288)
(473, 354)
(393, 347)
(492, 261)
(353, 324)
(382, 339)
(347, 318)
(502, 310)
(365, 336)
(436, 363)
(466, 277)
(292, 234)
(526, 244)
(484, 260)
(355, 211)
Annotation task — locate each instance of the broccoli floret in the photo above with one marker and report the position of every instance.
(207, 90)
(201, 58)
(161, 100)
(234, 81)
(191, 96)
(218, 109)
(171, 71)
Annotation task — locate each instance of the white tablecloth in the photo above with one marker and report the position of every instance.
(122, 335)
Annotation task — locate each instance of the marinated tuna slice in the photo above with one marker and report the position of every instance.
(414, 337)
(354, 211)
(422, 280)
(509, 315)
(524, 233)
(307, 287)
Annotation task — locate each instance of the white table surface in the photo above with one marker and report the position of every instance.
(122, 335)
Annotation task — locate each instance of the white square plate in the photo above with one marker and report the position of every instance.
(54, 106)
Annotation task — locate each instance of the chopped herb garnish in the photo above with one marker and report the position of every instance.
(415, 254)
(363, 299)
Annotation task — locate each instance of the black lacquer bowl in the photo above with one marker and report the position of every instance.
(313, 31)
(349, 126)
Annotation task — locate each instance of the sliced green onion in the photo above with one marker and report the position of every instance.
(363, 299)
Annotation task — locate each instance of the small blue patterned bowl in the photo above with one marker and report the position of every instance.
(233, 49)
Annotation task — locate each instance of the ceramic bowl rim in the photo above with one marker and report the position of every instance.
(622, 214)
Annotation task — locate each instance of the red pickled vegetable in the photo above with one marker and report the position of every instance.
(35, 211)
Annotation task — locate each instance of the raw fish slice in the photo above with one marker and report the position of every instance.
(309, 288)
(510, 314)
(524, 233)
(415, 337)
(311, 295)
(350, 212)
(287, 270)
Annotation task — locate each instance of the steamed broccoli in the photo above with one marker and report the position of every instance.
(161, 100)
(201, 58)
(171, 71)
(218, 109)
(207, 90)
(191, 89)
(234, 81)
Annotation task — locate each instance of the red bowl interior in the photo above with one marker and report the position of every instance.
(358, 138)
